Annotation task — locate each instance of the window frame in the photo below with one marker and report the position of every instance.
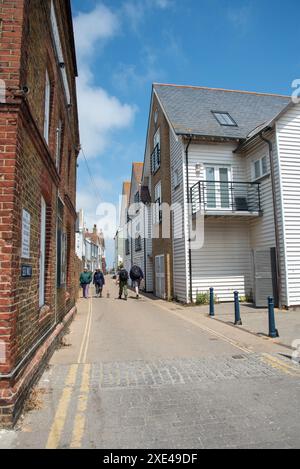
(224, 114)
(47, 104)
(262, 174)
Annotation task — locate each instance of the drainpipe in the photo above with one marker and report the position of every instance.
(277, 237)
(189, 216)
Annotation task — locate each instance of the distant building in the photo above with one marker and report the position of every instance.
(90, 246)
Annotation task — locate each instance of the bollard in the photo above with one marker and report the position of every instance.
(273, 332)
(211, 302)
(238, 321)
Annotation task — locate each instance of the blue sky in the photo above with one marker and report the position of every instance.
(124, 46)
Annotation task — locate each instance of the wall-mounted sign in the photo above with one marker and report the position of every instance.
(26, 271)
(25, 235)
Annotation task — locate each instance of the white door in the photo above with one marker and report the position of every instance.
(160, 276)
(218, 187)
(263, 277)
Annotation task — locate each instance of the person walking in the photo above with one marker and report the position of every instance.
(122, 280)
(136, 275)
(99, 282)
(85, 281)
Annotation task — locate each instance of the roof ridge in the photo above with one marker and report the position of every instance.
(222, 89)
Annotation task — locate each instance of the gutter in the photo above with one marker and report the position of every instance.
(277, 237)
(189, 217)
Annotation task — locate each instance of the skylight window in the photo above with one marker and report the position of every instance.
(224, 119)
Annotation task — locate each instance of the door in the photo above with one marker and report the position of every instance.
(160, 277)
(218, 180)
(263, 277)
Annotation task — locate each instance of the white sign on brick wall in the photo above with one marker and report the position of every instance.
(25, 235)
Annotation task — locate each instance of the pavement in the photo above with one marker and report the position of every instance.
(256, 321)
(155, 375)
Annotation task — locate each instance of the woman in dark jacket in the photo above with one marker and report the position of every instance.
(99, 282)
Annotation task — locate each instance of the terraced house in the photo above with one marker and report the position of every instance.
(39, 145)
(234, 158)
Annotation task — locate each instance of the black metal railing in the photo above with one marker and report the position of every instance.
(155, 159)
(225, 196)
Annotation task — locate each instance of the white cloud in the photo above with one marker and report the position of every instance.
(90, 28)
(136, 10)
(99, 113)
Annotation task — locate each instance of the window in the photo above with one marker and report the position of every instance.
(224, 119)
(42, 253)
(61, 247)
(155, 157)
(176, 180)
(157, 210)
(260, 168)
(138, 244)
(127, 247)
(47, 107)
(58, 148)
(59, 52)
(137, 198)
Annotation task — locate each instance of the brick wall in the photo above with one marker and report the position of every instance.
(27, 173)
(162, 246)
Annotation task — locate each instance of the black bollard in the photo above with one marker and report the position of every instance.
(273, 332)
(211, 302)
(237, 312)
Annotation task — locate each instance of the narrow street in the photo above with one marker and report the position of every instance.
(150, 374)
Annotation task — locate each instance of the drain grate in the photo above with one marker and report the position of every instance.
(239, 357)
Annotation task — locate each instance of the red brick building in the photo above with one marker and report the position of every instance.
(39, 145)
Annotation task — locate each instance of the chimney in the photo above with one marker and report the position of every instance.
(95, 231)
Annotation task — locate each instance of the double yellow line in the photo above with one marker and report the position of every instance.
(69, 386)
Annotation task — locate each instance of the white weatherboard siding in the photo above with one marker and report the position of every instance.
(180, 253)
(288, 142)
(215, 155)
(224, 262)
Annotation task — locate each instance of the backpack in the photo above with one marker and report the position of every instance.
(123, 276)
(135, 273)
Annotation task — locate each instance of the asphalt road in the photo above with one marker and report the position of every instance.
(150, 374)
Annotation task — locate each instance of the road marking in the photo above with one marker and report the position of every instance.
(62, 409)
(80, 418)
(273, 361)
(64, 402)
(280, 365)
(87, 341)
(203, 328)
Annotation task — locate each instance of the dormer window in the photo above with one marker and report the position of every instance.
(225, 119)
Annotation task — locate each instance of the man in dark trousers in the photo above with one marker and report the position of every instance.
(85, 281)
(99, 282)
(122, 280)
(136, 275)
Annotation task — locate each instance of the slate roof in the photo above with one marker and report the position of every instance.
(189, 109)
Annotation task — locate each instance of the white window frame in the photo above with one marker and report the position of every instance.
(47, 107)
(262, 173)
(176, 178)
(158, 202)
(59, 53)
(58, 143)
(42, 280)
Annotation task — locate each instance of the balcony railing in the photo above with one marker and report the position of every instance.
(155, 159)
(217, 196)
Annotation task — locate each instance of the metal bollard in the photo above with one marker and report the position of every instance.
(211, 302)
(237, 312)
(273, 332)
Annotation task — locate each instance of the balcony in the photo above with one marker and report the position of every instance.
(218, 198)
(155, 159)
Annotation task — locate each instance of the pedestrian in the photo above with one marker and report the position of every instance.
(85, 281)
(99, 282)
(122, 280)
(136, 275)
